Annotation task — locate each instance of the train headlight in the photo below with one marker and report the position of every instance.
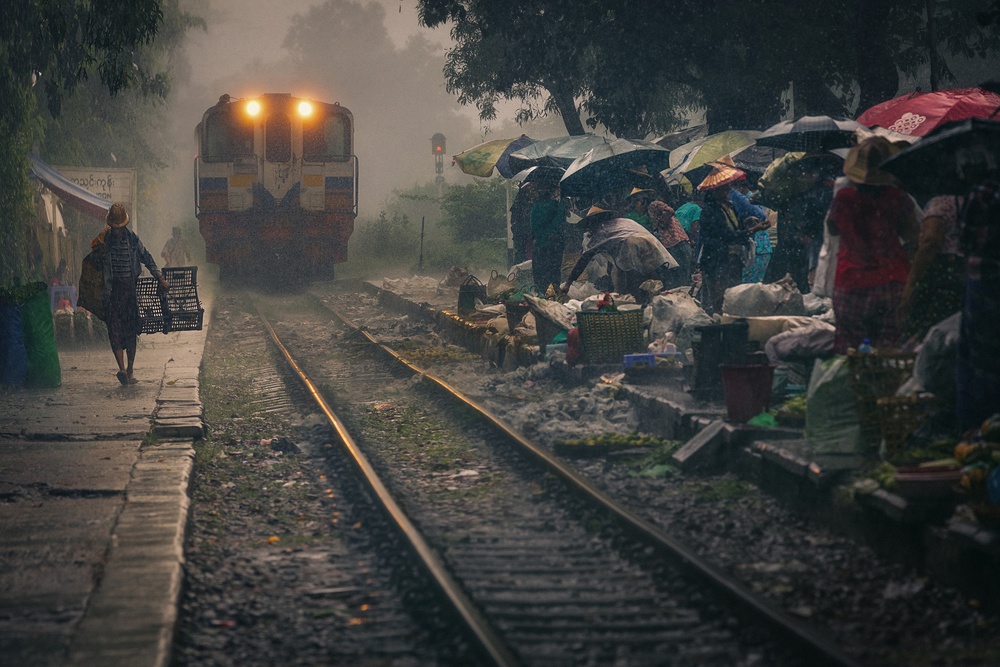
(305, 109)
(253, 107)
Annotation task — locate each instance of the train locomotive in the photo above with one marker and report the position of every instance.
(276, 186)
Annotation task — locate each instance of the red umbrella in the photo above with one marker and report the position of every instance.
(918, 113)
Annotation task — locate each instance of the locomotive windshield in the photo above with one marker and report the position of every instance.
(227, 136)
(278, 138)
(327, 139)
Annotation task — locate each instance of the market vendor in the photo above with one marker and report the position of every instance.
(621, 253)
(722, 240)
(638, 200)
(878, 224)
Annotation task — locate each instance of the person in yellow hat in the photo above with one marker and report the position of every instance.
(638, 200)
(122, 257)
(871, 214)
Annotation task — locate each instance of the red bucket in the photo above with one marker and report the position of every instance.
(747, 390)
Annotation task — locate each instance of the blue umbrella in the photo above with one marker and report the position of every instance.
(503, 164)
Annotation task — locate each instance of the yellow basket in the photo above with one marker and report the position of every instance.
(900, 416)
(876, 375)
(607, 336)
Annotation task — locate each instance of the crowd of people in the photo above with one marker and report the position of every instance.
(894, 268)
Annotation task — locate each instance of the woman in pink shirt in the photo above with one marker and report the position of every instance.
(874, 218)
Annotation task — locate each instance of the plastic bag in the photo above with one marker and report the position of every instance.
(13, 356)
(832, 425)
(40, 341)
(91, 295)
(498, 284)
(934, 367)
(762, 300)
(826, 267)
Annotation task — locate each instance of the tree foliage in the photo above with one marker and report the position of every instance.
(637, 66)
(509, 51)
(80, 80)
(476, 211)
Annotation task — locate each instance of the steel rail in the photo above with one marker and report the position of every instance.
(818, 647)
(480, 628)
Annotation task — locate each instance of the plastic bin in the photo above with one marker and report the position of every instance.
(59, 293)
(719, 344)
(747, 389)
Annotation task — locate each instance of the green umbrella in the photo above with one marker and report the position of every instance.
(482, 159)
(708, 149)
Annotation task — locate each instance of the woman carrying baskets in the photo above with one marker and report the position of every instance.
(122, 256)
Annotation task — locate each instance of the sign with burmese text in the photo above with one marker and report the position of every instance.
(111, 184)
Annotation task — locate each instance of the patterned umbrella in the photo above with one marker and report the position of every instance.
(919, 113)
(810, 133)
(481, 160)
(555, 152)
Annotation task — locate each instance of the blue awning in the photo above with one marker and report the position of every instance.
(70, 192)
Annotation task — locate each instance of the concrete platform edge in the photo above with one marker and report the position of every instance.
(131, 616)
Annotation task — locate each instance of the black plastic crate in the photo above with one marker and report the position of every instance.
(177, 310)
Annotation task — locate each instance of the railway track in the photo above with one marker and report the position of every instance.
(542, 568)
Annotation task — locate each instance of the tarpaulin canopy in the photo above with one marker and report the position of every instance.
(71, 193)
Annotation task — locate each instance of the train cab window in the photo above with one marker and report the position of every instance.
(278, 138)
(327, 139)
(227, 136)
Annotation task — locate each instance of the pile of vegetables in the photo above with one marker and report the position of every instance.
(616, 441)
(979, 454)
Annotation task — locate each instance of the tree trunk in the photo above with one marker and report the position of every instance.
(878, 77)
(812, 97)
(567, 109)
(932, 54)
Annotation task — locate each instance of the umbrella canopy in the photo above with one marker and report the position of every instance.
(610, 166)
(810, 133)
(539, 174)
(949, 161)
(919, 113)
(481, 160)
(680, 137)
(688, 158)
(782, 179)
(554, 152)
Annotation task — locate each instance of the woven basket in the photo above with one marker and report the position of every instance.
(176, 310)
(607, 336)
(876, 375)
(900, 416)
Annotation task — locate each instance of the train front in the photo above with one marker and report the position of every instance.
(276, 187)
